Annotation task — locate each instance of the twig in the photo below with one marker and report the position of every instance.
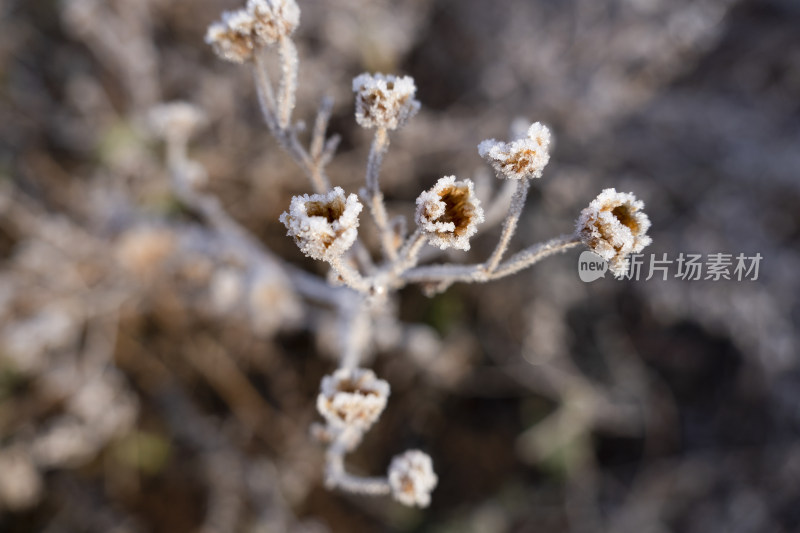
(288, 88)
(478, 274)
(374, 196)
(509, 225)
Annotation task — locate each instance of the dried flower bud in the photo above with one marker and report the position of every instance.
(520, 159)
(273, 19)
(384, 101)
(323, 225)
(614, 227)
(412, 478)
(232, 37)
(449, 213)
(178, 120)
(352, 398)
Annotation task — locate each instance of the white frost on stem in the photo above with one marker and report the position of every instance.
(477, 273)
(509, 224)
(288, 88)
(374, 196)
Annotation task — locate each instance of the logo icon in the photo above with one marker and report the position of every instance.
(591, 266)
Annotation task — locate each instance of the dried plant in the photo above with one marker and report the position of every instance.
(325, 227)
(161, 340)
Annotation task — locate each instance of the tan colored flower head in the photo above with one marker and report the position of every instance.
(614, 226)
(449, 213)
(412, 478)
(323, 225)
(520, 159)
(240, 33)
(384, 101)
(232, 37)
(273, 19)
(352, 398)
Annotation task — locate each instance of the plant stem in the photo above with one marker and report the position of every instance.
(509, 225)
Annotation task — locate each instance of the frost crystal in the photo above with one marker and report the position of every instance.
(412, 478)
(614, 227)
(449, 213)
(384, 101)
(273, 19)
(324, 226)
(352, 398)
(520, 159)
(232, 38)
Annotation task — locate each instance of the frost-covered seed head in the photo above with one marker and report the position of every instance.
(412, 478)
(232, 37)
(449, 213)
(273, 19)
(384, 101)
(324, 226)
(520, 159)
(352, 398)
(614, 226)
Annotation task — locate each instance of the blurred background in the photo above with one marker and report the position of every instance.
(143, 387)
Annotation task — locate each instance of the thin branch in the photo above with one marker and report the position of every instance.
(477, 273)
(288, 88)
(276, 112)
(377, 150)
(409, 254)
(266, 95)
(319, 133)
(496, 208)
(374, 196)
(337, 476)
(350, 276)
(533, 254)
(509, 225)
(356, 331)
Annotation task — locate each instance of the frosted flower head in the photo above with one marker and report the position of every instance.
(614, 226)
(384, 101)
(232, 37)
(323, 225)
(449, 213)
(273, 19)
(352, 398)
(520, 159)
(412, 478)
